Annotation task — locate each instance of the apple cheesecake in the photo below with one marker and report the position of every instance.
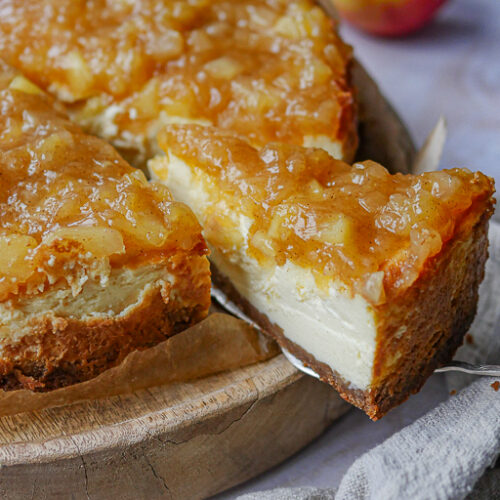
(368, 278)
(95, 262)
(268, 70)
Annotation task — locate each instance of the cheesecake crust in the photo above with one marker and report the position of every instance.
(62, 352)
(450, 279)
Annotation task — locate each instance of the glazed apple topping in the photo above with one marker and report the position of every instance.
(266, 69)
(358, 224)
(69, 202)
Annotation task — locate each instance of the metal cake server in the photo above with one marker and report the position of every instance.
(459, 366)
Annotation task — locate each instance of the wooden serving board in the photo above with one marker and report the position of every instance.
(185, 440)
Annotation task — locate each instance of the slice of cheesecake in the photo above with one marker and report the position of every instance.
(370, 279)
(269, 70)
(95, 262)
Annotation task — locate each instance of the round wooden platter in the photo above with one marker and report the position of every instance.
(184, 440)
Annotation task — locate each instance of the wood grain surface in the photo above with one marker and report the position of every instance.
(186, 440)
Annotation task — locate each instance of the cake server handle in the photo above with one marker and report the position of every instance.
(462, 366)
(459, 366)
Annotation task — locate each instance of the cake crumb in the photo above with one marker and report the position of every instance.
(469, 339)
(496, 385)
(453, 392)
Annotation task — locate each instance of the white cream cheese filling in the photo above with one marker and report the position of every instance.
(103, 124)
(336, 328)
(125, 290)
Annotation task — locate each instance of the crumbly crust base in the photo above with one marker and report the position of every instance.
(426, 350)
(63, 351)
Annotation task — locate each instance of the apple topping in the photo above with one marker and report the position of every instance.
(373, 231)
(269, 70)
(24, 85)
(69, 202)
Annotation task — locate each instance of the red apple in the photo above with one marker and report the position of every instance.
(388, 17)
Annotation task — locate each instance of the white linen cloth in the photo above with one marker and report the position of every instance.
(442, 454)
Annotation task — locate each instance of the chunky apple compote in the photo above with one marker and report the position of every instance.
(70, 205)
(359, 224)
(269, 70)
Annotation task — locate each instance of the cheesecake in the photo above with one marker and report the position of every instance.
(95, 262)
(368, 278)
(268, 70)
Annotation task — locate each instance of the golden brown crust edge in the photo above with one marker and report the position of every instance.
(438, 311)
(63, 351)
(430, 344)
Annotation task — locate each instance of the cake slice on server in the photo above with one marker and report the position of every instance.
(95, 262)
(370, 279)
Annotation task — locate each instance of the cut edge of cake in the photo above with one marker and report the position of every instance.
(425, 349)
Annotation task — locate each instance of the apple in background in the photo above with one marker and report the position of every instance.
(388, 17)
